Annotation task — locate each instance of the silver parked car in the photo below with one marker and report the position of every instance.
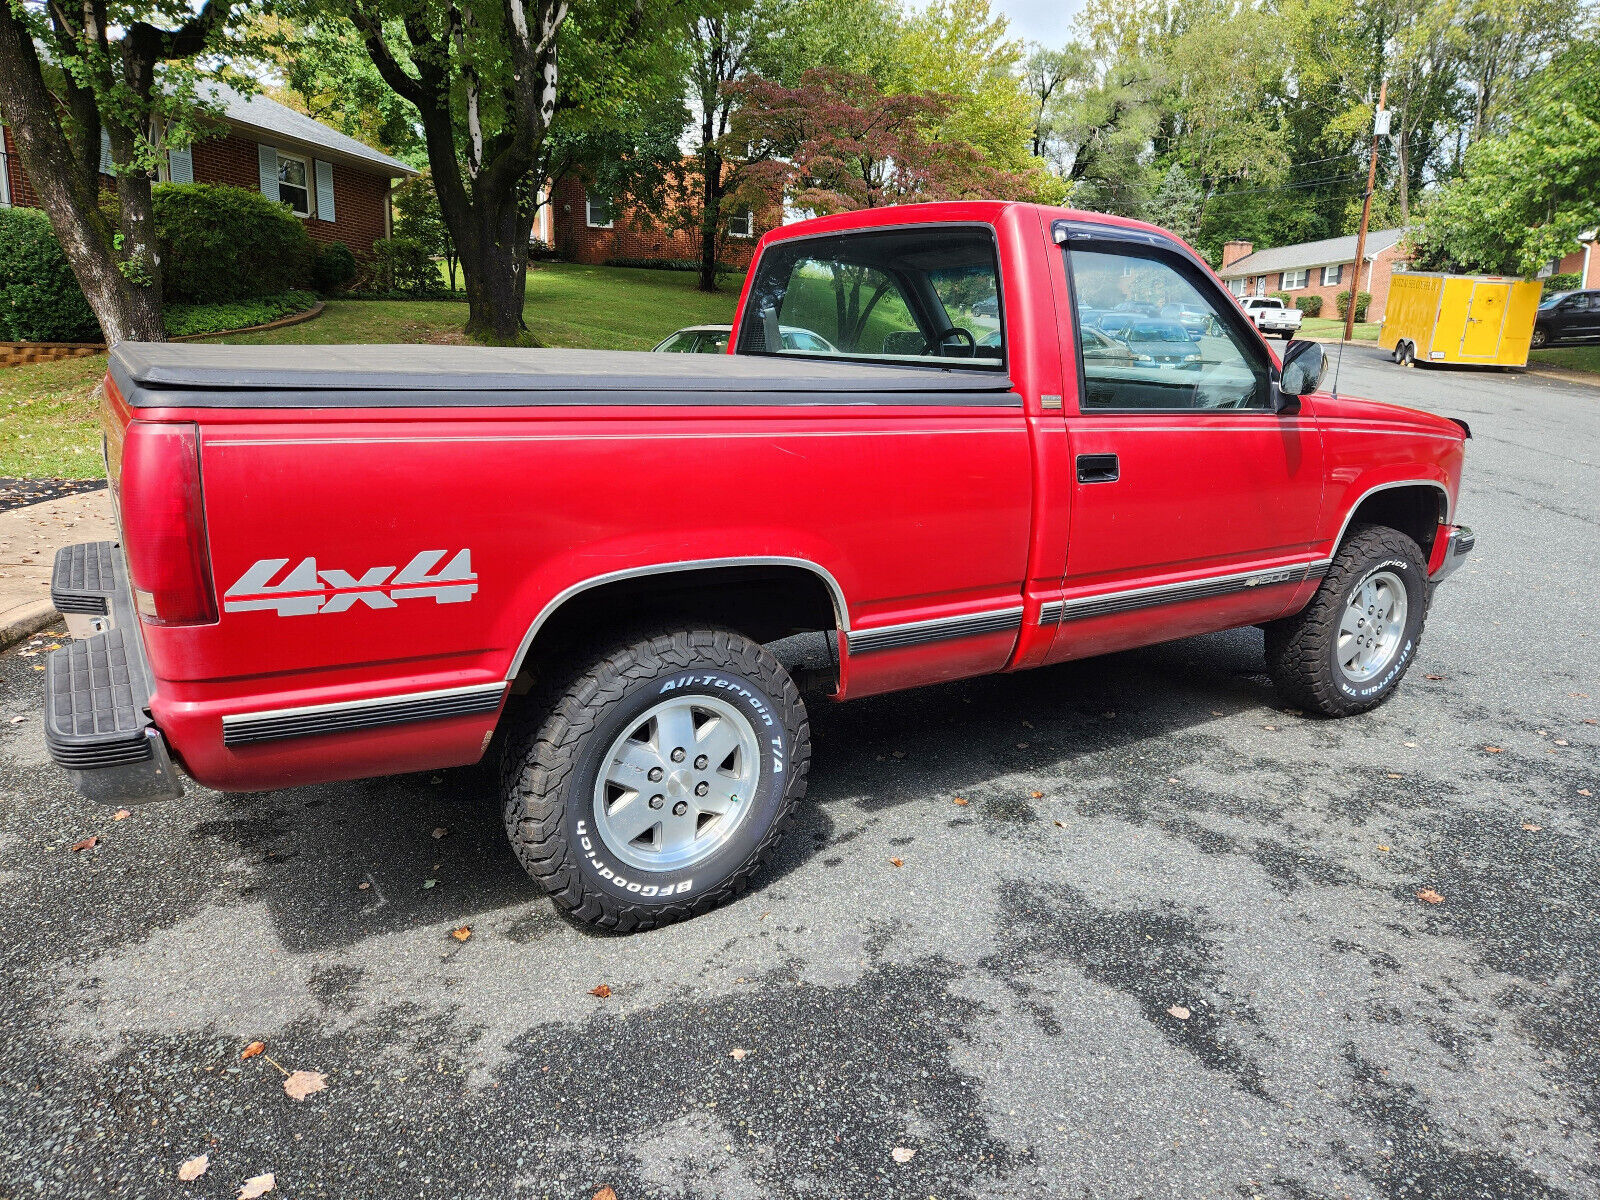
(713, 339)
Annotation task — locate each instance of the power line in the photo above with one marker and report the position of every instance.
(1285, 187)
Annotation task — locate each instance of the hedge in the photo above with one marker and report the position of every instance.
(667, 264)
(39, 297)
(333, 268)
(1310, 305)
(1560, 283)
(223, 243)
(1342, 303)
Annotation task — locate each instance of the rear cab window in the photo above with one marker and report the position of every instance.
(923, 295)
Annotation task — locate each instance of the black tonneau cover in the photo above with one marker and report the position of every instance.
(173, 375)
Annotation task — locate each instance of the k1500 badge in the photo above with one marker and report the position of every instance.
(306, 590)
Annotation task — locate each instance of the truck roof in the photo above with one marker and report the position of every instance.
(174, 375)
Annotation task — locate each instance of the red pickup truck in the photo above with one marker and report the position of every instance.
(353, 561)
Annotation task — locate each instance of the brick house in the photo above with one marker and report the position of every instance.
(582, 224)
(339, 186)
(1322, 268)
(1583, 262)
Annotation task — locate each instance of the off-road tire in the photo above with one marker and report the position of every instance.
(553, 754)
(1301, 650)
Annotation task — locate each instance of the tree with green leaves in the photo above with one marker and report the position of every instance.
(1529, 191)
(93, 87)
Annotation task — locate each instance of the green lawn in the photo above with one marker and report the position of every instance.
(1571, 358)
(1332, 327)
(48, 427)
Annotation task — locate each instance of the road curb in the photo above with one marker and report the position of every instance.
(26, 622)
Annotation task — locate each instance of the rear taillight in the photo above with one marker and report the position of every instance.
(163, 525)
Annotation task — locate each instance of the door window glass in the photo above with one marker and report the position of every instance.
(1170, 347)
(924, 295)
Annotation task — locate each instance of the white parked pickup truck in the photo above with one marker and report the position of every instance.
(1271, 315)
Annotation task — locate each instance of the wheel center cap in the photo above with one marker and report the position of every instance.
(680, 782)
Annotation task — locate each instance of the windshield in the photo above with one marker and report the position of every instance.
(929, 294)
(1554, 300)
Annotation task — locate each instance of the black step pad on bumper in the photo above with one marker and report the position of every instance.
(97, 691)
(85, 578)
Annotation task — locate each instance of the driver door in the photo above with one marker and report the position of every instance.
(1183, 472)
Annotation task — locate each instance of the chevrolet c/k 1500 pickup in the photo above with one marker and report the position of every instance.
(343, 562)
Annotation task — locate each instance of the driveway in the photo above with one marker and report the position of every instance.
(1172, 945)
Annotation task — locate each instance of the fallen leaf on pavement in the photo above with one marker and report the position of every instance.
(1035, 795)
(18, 720)
(439, 832)
(1493, 750)
(737, 1054)
(301, 1084)
(600, 989)
(361, 887)
(88, 843)
(121, 814)
(605, 1193)
(253, 1049)
(1179, 1011)
(428, 883)
(1435, 678)
(1583, 791)
(902, 1154)
(963, 801)
(1061, 824)
(1394, 775)
(1531, 828)
(192, 1169)
(260, 1185)
(1561, 741)
(1383, 849)
(461, 934)
(1429, 896)
(895, 862)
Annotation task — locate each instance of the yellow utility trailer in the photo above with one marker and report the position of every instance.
(1484, 320)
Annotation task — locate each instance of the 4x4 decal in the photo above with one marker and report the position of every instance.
(306, 590)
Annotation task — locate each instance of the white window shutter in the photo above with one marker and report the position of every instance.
(268, 158)
(180, 166)
(105, 153)
(324, 191)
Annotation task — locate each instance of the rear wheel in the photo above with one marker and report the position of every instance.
(658, 777)
(1348, 649)
(1540, 338)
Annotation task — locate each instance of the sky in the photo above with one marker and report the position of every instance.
(1048, 22)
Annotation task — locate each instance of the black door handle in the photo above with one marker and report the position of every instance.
(1098, 468)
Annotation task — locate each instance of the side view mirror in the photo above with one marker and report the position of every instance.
(1304, 365)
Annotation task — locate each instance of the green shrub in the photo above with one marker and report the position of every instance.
(1560, 283)
(184, 319)
(221, 243)
(39, 297)
(334, 268)
(1310, 305)
(1282, 297)
(1342, 303)
(405, 266)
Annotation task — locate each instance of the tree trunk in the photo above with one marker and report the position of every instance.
(710, 214)
(494, 262)
(128, 309)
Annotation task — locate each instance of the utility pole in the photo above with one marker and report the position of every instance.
(1380, 128)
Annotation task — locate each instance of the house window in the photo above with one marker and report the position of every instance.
(1293, 280)
(293, 186)
(597, 212)
(742, 225)
(1331, 276)
(1237, 287)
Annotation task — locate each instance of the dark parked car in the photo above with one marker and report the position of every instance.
(1567, 317)
(1164, 342)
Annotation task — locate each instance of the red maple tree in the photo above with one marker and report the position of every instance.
(836, 142)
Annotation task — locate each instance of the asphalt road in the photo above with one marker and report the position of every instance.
(1145, 834)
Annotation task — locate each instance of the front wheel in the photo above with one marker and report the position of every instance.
(1348, 649)
(659, 780)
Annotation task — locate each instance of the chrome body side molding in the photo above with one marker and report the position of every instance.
(939, 629)
(240, 729)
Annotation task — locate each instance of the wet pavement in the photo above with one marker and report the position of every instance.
(1171, 946)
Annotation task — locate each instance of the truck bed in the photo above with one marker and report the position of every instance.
(168, 375)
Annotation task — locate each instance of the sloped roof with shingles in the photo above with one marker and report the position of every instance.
(269, 117)
(1325, 253)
